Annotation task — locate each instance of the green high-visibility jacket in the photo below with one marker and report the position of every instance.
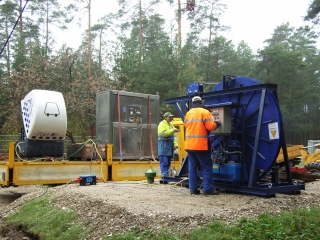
(166, 140)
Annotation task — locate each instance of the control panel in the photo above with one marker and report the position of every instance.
(135, 114)
(222, 114)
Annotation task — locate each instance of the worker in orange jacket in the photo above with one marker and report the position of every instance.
(198, 123)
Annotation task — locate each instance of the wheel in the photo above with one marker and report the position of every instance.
(313, 167)
(247, 118)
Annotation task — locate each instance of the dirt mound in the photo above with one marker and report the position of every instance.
(115, 207)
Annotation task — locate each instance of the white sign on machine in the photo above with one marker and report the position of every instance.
(273, 130)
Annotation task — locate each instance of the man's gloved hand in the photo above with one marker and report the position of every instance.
(218, 123)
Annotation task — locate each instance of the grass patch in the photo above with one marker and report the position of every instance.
(300, 224)
(49, 223)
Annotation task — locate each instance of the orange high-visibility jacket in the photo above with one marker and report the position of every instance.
(198, 122)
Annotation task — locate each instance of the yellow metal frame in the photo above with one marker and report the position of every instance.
(314, 157)
(293, 152)
(135, 169)
(14, 173)
(58, 172)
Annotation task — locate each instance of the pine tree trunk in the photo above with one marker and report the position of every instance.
(89, 40)
(179, 37)
(8, 50)
(47, 29)
(141, 43)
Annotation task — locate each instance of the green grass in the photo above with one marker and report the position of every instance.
(300, 224)
(48, 222)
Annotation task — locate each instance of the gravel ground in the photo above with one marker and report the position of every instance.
(115, 207)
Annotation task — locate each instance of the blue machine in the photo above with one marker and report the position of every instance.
(243, 157)
(88, 179)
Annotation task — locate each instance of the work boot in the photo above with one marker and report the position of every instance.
(213, 192)
(163, 182)
(196, 192)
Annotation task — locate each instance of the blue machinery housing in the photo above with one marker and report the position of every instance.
(243, 159)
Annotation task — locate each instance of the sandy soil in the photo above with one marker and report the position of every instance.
(116, 207)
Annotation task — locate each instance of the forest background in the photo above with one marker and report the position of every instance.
(130, 49)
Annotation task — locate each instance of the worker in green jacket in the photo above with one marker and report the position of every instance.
(166, 142)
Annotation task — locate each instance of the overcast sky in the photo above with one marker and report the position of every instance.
(250, 20)
(255, 20)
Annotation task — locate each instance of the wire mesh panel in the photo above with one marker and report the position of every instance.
(4, 142)
(311, 144)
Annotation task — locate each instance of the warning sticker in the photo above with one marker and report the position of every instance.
(273, 131)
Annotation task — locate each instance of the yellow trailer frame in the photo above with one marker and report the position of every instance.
(16, 172)
(135, 169)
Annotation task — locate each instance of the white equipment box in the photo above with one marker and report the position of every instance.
(222, 114)
(44, 115)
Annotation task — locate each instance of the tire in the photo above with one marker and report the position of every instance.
(313, 167)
